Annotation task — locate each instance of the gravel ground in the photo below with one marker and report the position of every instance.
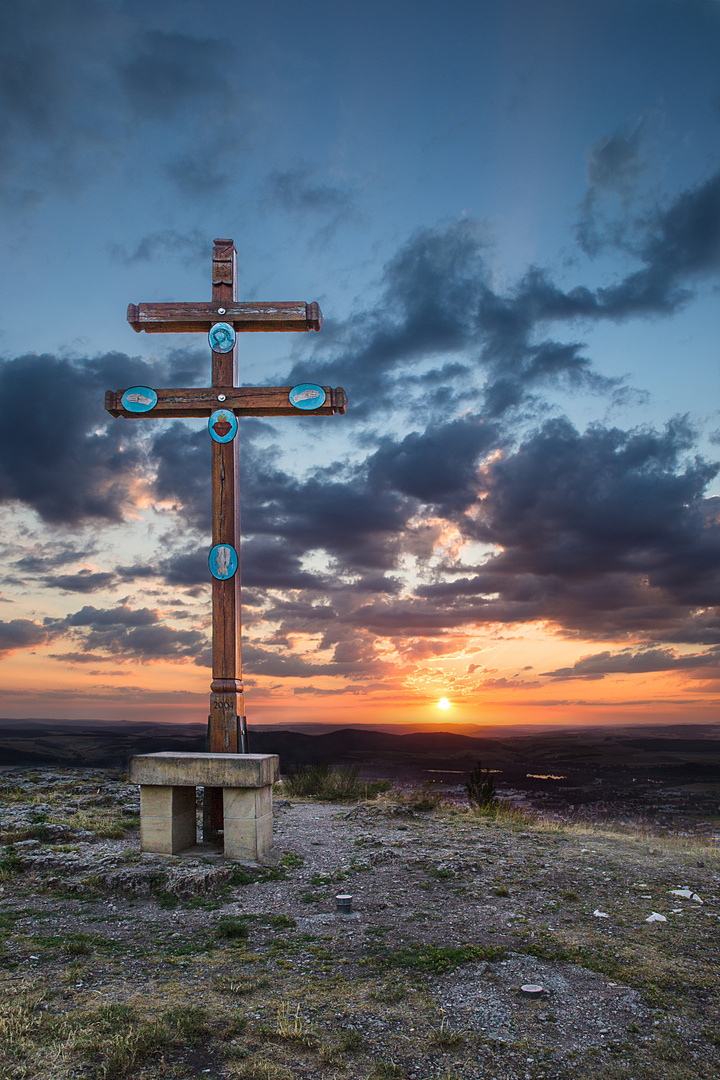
(121, 964)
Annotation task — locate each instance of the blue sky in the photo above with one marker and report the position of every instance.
(509, 212)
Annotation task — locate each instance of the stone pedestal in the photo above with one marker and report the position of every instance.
(168, 783)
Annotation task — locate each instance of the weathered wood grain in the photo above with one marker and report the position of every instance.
(242, 400)
(247, 317)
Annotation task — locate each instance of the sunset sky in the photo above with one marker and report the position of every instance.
(509, 213)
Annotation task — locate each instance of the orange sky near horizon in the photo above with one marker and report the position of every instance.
(35, 684)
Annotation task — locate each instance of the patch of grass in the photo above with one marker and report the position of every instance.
(261, 1069)
(445, 1039)
(77, 944)
(424, 799)
(232, 928)
(438, 958)
(178, 947)
(281, 922)
(166, 900)
(348, 1041)
(10, 862)
(115, 1040)
(480, 789)
(20, 1023)
(389, 993)
(387, 1070)
(241, 985)
(334, 877)
(291, 1027)
(292, 860)
(331, 783)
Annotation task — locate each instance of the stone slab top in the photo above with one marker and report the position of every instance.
(180, 769)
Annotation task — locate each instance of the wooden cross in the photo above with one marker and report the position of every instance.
(223, 315)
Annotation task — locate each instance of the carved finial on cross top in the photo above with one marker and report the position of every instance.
(223, 318)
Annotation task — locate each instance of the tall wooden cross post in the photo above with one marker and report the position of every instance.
(222, 402)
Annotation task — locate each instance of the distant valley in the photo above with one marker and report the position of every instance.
(671, 772)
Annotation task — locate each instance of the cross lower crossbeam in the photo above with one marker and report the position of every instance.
(241, 400)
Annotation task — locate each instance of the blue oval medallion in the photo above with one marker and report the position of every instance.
(223, 426)
(221, 337)
(307, 396)
(223, 561)
(139, 399)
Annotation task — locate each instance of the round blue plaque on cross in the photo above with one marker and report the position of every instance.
(223, 426)
(222, 337)
(223, 561)
(139, 399)
(307, 396)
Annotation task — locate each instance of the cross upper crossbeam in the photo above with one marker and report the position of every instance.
(245, 317)
(241, 400)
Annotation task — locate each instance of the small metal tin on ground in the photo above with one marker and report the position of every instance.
(532, 990)
(343, 903)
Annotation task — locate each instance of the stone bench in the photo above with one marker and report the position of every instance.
(168, 800)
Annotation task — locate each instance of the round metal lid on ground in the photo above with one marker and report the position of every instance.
(531, 990)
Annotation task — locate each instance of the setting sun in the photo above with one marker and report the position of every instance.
(443, 703)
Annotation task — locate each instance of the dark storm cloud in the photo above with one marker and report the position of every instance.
(614, 165)
(83, 84)
(191, 246)
(437, 466)
(269, 562)
(437, 297)
(50, 559)
(170, 70)
(43, 131)
(429, 296)
(79, 658)
(119, 616)
(183, 469)
(678, 245)
(605, 532)
(631, 663)
(125, 632)
(22, 634)
(60, 453)
(84, 581)
(207, 168)
(358, 523)
(615, 161)
(301, 192)
(186, 568)
(298, 190)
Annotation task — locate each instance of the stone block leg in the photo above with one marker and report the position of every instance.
(167, 818)
(248, 831)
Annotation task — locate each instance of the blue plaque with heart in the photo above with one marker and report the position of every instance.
(223, 426)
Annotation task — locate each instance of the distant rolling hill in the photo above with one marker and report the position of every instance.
(672, 753)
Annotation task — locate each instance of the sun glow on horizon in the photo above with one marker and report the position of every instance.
(443, 703)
